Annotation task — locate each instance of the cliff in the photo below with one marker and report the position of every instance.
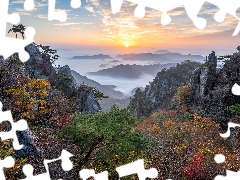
(40, 66)
(56, 93)
(161, 90)
(211, 88)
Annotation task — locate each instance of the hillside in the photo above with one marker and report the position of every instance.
(132, 71)
(108, 90)
(162, 89)
(120, 71)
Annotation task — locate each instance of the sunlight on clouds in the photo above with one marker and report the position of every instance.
(89, 8)
(66, 24)
(42, 16)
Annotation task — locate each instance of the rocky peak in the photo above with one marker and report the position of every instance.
(211, 88)
(40, 66)
(161, 90)
(203, 78)
(86, 100)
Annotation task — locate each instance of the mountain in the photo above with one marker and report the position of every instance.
(164, 57)
(107, 90)
(147, 57)
(152, 69)
(120, 71)
(162, 51)
(99, 56)
(162, 89)
(132, 71)
(211, 89)
(203, 89)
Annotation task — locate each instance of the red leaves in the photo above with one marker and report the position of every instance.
(195, 168)
(66, 118)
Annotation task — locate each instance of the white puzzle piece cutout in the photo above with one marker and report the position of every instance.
(66, 166)
(9, 46)
(21, 125)
(137, 167)
(8, 162)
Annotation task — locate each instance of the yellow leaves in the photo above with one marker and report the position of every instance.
(38, 83)
(28, 95)
(206, 150)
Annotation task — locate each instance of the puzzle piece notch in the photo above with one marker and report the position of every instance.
(53, 14)
(163, 6)
(29, 5)
(219, 158)
(87, 173)
(75, 4)
(227, 7)
(66, 166)
(138, 168)
(8, 162)
(229, 175)
(236, 89)
(12, 45)
(66, 162)
(21, 125)
(230, 125)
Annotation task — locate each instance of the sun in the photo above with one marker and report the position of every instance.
(126, 44)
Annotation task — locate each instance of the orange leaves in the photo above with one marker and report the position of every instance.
(155, 128)
(168, 123)
(186, 148)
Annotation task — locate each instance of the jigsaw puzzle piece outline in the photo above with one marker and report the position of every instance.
(8, 162)
(53, 14)
(12, 45)
(227, 7)
(236, 89)
(161, 5)
(137, 167)
(21, 125)
(29, 5)
(67, 165)
(230, 125)
(87, 173)
(229, 175)
(75, 4)
(192, 9)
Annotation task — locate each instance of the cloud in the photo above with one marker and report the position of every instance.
(42, 16)
(66, 24)
(89, 8)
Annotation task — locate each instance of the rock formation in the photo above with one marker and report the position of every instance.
(158, 94)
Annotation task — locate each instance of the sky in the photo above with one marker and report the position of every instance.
(94, 26)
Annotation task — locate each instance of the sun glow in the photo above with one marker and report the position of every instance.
(126, 44)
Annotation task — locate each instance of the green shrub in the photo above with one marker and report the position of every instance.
(187, 116)
(107, 139)
(159, 116)
(234, 108)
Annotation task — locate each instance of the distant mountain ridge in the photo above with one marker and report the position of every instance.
(99, 56)
(162, 57)
(132, 71)
(107, 90)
